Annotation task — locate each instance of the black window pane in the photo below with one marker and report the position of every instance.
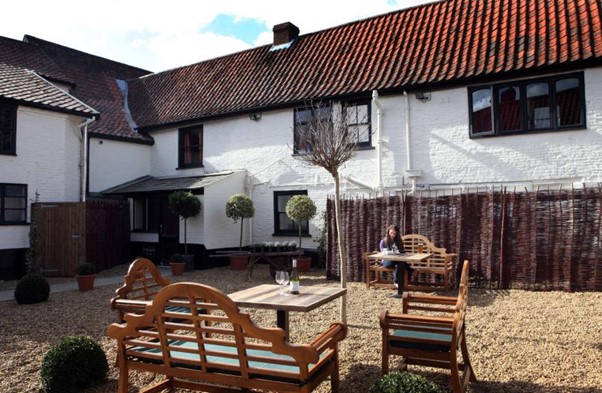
(538, 105)
(568, 102)
(14, 215)
(509, 108)
(481, 111)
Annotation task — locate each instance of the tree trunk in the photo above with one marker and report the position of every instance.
(342, 246)
(240, 241)
(185, 239)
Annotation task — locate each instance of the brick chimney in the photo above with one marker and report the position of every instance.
(285, 33)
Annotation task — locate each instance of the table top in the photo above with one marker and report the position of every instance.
(403, 257)
(267, 296)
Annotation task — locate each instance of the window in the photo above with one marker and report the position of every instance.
(146, 214)
(8, 127)
(13, 203)
(543, 104)
(304, 117)
(190, 147)
(357, 118)
(282, 224)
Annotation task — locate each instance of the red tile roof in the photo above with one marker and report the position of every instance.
(28, 88)
(438, 44)
(95, 84)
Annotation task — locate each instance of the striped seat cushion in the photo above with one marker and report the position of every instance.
(398, 336)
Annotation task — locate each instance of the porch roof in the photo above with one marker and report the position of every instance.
(150, 184)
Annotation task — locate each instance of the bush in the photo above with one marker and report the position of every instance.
(32, 288)
(85, 269)
(404, 382)
(76, 363)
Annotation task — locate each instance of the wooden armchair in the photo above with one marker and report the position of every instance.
(377, 275)
(427, 339)
(142, 281)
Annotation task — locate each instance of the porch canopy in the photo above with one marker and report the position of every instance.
(149, 184)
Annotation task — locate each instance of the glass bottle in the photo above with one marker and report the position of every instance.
(294, 281)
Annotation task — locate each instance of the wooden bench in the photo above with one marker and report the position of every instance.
(441, 263)
(219, 349)
(432, 338)
(142, 281)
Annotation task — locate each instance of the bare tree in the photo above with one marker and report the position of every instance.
(323, 139)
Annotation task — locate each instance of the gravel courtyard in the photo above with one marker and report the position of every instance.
(519, 341)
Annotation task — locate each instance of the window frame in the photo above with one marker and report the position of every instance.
(295, 229)
(182, 149)
(297, 124)
(3, 208)
(356, 103)
(523, 102)
(11, 129)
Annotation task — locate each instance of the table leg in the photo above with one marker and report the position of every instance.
(282, 321)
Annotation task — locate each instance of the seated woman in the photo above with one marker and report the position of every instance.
(392, 242)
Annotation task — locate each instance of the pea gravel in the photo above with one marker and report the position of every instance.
(519, 341)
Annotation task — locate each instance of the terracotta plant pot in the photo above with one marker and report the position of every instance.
(303, 264)
(238, 262)
(177, 268)
(86, 283)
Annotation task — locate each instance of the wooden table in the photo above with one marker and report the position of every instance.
(407, 257)
(267, 296)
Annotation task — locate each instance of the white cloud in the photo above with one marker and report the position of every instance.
(159, 35)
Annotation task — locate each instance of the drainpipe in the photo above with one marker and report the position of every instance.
(379, 142)
(84, 175)
(408, 149)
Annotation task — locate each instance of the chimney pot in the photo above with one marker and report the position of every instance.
(285, 33)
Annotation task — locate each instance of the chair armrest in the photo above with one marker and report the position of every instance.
(129, 304)
(330, 338)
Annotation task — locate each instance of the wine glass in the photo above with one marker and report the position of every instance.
(282, 279)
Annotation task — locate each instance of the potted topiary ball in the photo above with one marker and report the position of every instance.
(404, 382)
(75, 364)
(86, 274)
(301, 208)
(239, 207)
(185, 205)
(32, 288)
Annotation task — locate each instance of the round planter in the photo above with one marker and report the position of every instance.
(238, 262)
(177, 268)
(303, 264)
(86, 283)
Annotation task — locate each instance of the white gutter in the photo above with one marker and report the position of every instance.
(379, 142)
(408, 149)
(84, 166)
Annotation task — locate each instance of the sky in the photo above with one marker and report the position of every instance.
(157, 36)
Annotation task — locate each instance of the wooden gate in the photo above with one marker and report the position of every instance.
(73, 232)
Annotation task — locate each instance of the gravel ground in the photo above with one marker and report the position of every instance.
(518, 341)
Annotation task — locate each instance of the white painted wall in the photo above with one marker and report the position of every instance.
(47, 160)
(439, 144)
(116, 162)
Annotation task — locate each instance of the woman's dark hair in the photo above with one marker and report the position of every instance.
(396, 240)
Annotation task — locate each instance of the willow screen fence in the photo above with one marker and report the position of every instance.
(537, 240)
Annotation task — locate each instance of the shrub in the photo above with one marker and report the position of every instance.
(300, 208)
(32, 288)
(239, 207)
(404, 382)
(76, 363)
(85, 269)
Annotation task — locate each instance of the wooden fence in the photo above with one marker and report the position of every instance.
(69, 233)
(539, 240)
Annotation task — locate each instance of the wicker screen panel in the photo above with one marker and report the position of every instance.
(548, 239)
